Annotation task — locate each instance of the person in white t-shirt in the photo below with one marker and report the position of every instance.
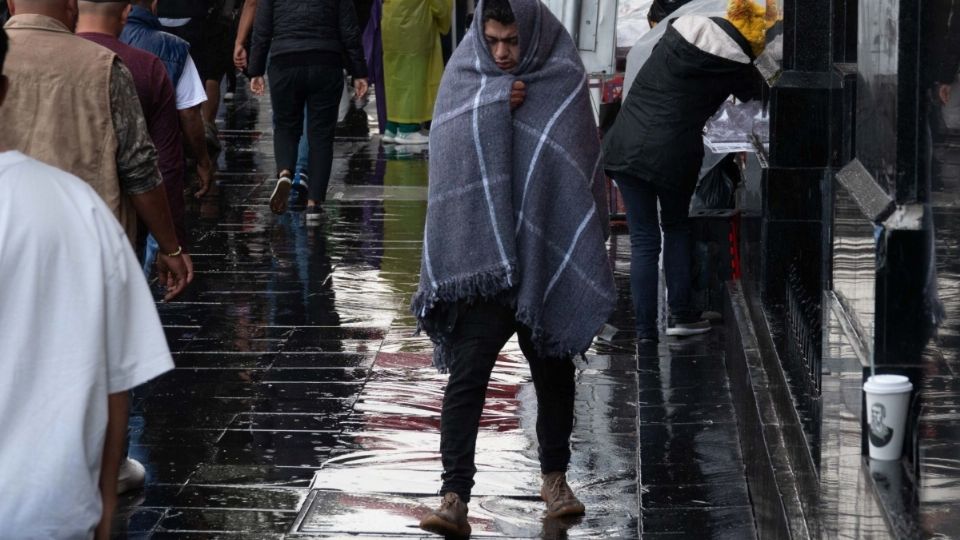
(78, 329)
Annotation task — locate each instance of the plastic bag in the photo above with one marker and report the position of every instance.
(716, 190)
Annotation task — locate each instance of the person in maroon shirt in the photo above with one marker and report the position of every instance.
(102, 22)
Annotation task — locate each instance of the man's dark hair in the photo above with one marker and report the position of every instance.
(498, 10)
(3, 48)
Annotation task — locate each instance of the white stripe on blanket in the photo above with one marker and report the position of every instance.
(483, 170)
(574, 267)
(426, 259)
(536, 154)
(534, 132)
(566, 258)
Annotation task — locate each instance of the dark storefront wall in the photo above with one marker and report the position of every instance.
(862, 178)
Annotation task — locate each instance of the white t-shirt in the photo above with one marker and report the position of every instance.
(190, 90)
(77, 322)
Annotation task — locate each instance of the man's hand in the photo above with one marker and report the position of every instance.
(257, 86)
(205, 176)
(175, 273)
(518, 93)
(239, 56)
(943, 93)
(360, 87)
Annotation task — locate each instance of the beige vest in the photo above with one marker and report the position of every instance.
(58, 107)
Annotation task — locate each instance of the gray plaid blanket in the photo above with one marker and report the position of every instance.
(517, 201)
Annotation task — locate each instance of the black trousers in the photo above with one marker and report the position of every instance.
(480, 332)
(319, 87)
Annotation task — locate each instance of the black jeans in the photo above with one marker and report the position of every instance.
(640, 198)
(481, 331)
(319, 87)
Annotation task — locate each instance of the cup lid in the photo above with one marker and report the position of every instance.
(887, 384)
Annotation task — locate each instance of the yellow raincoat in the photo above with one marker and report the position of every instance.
(412, 56)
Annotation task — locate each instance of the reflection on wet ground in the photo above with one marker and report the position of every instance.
(849, 341)
(303, 406)
(940, 414)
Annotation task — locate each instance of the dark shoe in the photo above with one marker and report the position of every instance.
(314, 214)
(687, 326)
(448, 520)
(299, 196)
(561, 501)
(281, 192)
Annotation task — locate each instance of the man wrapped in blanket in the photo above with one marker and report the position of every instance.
(514, 240)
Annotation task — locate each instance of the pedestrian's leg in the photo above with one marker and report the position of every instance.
(303, 151)
(150, 251)
(555, 385)
(554, 381)
(323, 102)
(288, 95)
(674, 215)
(641, 201)
(480, 333)
(301, 180)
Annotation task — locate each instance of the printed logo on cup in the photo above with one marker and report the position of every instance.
(880, 433)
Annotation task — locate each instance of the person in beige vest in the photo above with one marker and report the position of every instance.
(72, 104)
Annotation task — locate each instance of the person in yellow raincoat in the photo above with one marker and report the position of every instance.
(412, 64)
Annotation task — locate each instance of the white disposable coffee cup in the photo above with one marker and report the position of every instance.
(888, 398)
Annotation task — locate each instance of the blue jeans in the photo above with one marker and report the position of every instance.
(645, 224)
(303, 151)
(150, 254)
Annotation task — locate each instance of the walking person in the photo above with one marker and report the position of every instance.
(515, 238)
(306, 46)
(102, 22)
(78, 329)
(412, 64)
(655, 148)
(143, 31)
(105, 141)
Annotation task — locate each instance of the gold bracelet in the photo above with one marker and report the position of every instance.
(176, 253)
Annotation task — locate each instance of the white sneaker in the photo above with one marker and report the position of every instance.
(412, 138)
(132, 475)
(389, 137)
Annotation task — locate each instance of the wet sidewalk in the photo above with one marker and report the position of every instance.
(302, 405)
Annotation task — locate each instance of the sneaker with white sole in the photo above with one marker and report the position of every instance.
(412, 138)
(132, 475)
(314, 214)
(389, 137)
(281, 194)
(687, 326)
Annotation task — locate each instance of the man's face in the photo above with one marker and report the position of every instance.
(877, 413)
(504, 43)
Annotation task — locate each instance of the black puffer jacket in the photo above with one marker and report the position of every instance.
(658, 134)
(298, 26)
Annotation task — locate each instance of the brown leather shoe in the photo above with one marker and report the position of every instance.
(448, 520)
(561, 501)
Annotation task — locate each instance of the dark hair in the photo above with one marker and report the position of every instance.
(3, 48)
(498, 10)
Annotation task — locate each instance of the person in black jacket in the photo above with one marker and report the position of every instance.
(654, 150)
(306, 43)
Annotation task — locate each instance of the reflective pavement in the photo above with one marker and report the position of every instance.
(303, 406)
